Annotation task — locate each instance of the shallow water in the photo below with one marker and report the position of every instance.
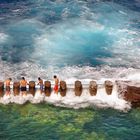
(43, 121)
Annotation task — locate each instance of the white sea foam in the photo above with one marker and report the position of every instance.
(101, 100)
(69, 73)
(3, 37)
(57, 42)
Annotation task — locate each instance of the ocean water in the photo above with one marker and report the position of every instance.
(70, 38)
(43, 122)
(75, 39)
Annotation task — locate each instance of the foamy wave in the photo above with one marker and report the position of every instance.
(101, 100)
(69, 73)
(3, 38)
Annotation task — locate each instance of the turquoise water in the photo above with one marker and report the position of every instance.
(44, 121)
(53, 36)
(75, 39)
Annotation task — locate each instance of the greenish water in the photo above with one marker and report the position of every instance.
(44, 121)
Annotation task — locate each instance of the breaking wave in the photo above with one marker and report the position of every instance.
(101, 100)
(84, 40)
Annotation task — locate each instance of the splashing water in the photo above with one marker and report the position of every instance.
(75, 39)
(61, 35)
(101, 100)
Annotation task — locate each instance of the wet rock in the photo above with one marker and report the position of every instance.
(63, 88)
(78, 88)
(133, 93)
(47, 88)
(108, 87)
(47, 93)
(31, 85)
(16, 88)
(93, 88)
(130, 91)
(47, 85)
(1, 86)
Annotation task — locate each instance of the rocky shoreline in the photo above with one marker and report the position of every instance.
(130, 91)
